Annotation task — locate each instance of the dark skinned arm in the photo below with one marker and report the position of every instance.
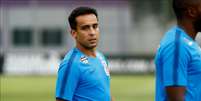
(60, 99)
(176, 93)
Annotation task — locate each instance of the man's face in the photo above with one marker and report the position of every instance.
(87, 31)
(197, 22)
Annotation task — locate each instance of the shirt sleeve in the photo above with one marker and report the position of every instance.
(175, 64)
(67, 80)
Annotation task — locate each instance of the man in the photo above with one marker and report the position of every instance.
(83, 74)
(178, 59)
(1, 62)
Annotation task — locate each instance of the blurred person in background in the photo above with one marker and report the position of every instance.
(178, 59)
(1, 62)
(83, 74)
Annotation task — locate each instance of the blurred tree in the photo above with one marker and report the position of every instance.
(161, 9)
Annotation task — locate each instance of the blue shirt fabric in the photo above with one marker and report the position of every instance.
(83, 78)
(178, 63)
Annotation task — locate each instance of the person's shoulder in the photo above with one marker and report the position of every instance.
(183, 45)
(70, 58)
(188, 44)
(175, 36)
(182, 38)
(168, 37)
(76, 57)
(102, 57)
(71, 53)
(100, 54)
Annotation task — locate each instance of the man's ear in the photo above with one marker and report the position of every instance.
(73, 33)
(192, 12)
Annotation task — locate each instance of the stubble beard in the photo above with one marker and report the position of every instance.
(88, 47)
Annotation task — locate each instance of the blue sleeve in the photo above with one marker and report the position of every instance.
(174, 65)
(67, 80)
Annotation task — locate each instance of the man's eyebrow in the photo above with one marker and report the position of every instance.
(84, 25)
(95, 24)
(88, 24)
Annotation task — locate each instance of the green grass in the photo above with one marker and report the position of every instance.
(41, 88)
(133, 88)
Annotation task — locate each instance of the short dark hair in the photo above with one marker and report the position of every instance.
(80, 11)
(180, 6)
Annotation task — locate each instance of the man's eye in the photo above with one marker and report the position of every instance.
(85, 27)
(95, 26)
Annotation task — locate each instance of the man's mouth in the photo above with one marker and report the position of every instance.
(92, 40)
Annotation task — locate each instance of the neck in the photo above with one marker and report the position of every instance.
(87, 51)
(188, 27)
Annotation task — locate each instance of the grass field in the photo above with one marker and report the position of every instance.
(41, 88)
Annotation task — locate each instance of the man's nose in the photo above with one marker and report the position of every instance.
(92, 31)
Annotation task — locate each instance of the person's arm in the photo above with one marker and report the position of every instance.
(175, 93)
(112, 98)
(175, 71)
(67, 81)
(60, 100)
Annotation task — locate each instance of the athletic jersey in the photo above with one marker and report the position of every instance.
(178, 63)
(83, 78)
